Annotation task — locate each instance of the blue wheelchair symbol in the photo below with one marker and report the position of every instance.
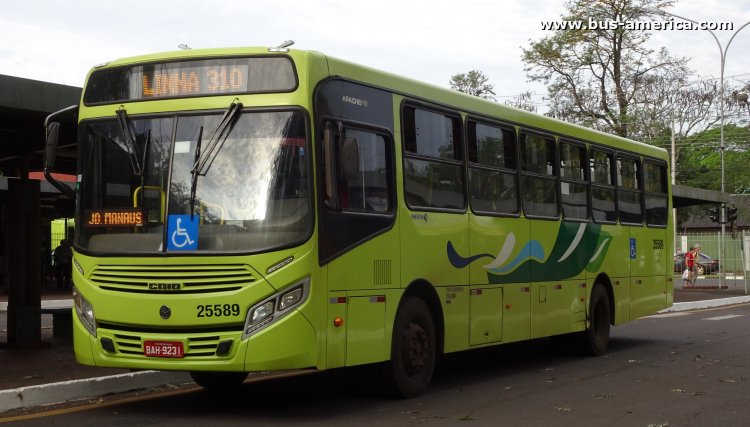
(182, 232)
(632, 248)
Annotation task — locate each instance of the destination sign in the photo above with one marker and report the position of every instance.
(169, 80)
(200, 77)
(126, 217)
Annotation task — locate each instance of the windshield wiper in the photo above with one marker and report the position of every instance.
(194, 172)
(129, 136)
(145, 165)
(203, 160)
(203, 163)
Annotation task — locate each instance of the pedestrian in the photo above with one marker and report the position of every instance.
(63, 258)
(696, 262)
(689, 264)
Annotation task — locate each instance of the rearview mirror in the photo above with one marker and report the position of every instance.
(50, 147)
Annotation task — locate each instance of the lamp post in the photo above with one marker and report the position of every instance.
(723, 55)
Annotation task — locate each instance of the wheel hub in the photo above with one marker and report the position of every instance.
(416, 347)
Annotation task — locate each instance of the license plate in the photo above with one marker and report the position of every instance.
(163, 349)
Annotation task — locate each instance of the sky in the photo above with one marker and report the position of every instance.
(429, 40)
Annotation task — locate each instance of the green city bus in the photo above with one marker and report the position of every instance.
(254, 209)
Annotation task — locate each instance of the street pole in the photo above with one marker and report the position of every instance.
(723, 55)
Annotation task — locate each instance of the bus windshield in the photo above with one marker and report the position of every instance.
(252, 195)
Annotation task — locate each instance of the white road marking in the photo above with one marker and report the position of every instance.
(728, 316)
(675, 314)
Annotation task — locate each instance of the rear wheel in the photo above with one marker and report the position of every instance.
(413, 351)
(219, 381)
(593, 341)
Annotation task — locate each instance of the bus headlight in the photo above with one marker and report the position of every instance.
(262, 313)
(85, 312)
(290, 298)
(271, 309)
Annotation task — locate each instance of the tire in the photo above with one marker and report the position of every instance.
(593, 341)
(413, 349)
(219, 381)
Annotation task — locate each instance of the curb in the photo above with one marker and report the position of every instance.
(65, 391)
(711, 303)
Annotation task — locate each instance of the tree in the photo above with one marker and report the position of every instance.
(474, 83)
(700, 165)
(595, 76)
(523, 101)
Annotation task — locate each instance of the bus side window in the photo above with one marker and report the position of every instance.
(360, 173)
(603, 206)
(629, 198)
(657, 205)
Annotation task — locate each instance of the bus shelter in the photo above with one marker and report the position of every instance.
(27, 203)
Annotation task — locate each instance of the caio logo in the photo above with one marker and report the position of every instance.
(164, 287)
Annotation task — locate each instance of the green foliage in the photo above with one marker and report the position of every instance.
(474, 83)
(699, 162)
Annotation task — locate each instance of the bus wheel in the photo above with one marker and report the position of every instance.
(219, 381)
(593, 341)
(413, 349)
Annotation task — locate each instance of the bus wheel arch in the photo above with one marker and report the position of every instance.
(426, 292)
(600, 316)
(604, 281)
(415, 342)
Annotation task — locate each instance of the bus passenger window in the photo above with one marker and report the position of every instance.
(433, 160)
(539, 183)
(574, 190)
(655, 181)
(601, 167)
(493, 185)
(629, 190)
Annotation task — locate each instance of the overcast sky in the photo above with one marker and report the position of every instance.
(58, 41)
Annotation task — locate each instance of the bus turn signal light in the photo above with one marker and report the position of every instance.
(338, 322)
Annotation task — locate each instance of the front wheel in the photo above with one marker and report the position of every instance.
(593, 341)
(413, 350)
(219, 381)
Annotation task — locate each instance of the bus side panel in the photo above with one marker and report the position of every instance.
(365, 333)
(425, 237)
(648, 285)
(336, 333)
(455, 304)
(486, 315)
(616, 267)
(374, 264)
(554, 304)
(489, 235)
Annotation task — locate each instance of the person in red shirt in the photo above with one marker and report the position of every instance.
(690, 265)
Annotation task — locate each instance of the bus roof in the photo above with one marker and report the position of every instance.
(414, 89)
(476, 105)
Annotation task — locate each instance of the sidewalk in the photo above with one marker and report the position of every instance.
(46, 372)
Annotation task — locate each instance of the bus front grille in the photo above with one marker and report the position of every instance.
(203, 346)
(172, 279)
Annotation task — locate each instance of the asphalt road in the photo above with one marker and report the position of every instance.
(678, 369)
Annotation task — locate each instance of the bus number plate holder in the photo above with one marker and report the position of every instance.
(163, 349)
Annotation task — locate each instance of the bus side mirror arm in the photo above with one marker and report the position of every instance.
(50, 149)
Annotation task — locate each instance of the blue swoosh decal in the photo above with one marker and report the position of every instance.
(533, 249)
(460, 262)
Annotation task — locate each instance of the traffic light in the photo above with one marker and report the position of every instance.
(715, 214)
(731, 213)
